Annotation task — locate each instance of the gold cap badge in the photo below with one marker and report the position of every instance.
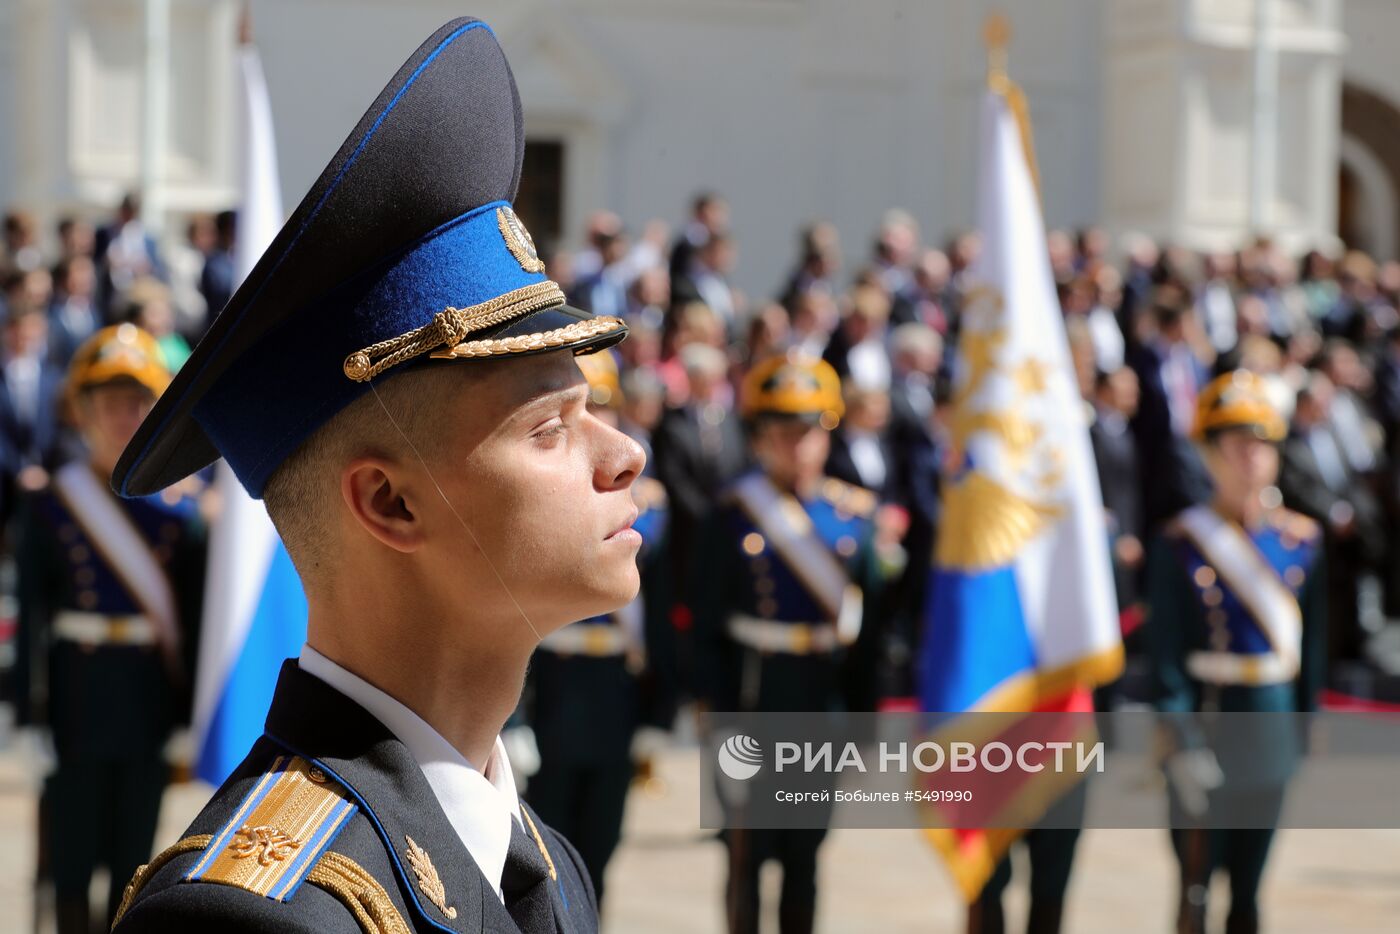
(518, 240)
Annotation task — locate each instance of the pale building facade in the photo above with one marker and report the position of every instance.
(796, 110)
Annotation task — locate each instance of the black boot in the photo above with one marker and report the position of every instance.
(1242, 921)
(797, 919)
(984, 916)
(1191, 911)
(73, 916)
(1045, 916)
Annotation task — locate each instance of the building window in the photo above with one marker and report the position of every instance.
(540, 200)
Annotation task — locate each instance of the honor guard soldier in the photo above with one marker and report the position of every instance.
(396, 380)
(783, 579)
(1237, 624)
(591, 681)
(109, 594)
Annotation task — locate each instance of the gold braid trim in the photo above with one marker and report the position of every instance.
(449, 327)
(144, 873)
(348, 881)
(340, 875)
(544, 340)
(539, 842)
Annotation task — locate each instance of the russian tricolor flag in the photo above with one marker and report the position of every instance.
(1021, 613)
(255, 609)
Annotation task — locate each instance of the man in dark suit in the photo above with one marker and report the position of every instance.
(32, 440)
(396, 379)
(604, 290)
(709, 215)
(916, 357)
(1318, 480)
(1387, 395)
(925, 299)
(861, 452)
(217, 279)
(706, 280)
(1116, 457)
(699, 447)
(73, 315)
(126, 251)
(1170, 375)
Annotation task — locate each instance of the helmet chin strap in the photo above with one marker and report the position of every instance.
(426, 469)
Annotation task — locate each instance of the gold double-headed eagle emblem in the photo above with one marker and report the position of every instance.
(996, 502)
(268, 844)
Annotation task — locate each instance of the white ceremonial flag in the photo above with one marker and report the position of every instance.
(255, 609)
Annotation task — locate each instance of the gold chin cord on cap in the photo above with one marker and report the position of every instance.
(449, 327)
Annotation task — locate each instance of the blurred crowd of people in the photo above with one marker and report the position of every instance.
(51, 300)
(1147, 332)
(1148, 325)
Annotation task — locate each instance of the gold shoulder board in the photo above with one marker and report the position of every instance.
(278, 832)
(1299, 526)
(340, 875)
(849, 498)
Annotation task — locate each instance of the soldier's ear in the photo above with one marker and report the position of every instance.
(373, 491)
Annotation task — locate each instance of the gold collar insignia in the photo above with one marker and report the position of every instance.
(428, 881)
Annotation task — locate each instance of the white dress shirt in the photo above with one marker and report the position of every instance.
(479, 804)
(869, 457)
(22, 380)
(1106, 336)
(869, 364)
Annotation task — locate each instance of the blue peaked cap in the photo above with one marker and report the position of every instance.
(405, 252)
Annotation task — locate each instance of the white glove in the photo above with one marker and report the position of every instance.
(1194, 773)
(179, 749)
(648, 742)
(36, 750)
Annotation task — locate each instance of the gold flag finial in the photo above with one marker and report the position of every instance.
(996, 33)
(245, 24)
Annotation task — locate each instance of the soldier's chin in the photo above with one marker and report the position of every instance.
(606, 596)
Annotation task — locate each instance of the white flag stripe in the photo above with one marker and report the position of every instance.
(243, 541)
(260, 215)
(1063, 576)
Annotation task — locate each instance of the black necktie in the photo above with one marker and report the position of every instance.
(525, 883)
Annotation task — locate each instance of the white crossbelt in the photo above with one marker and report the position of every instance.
(1226, 668)
(769, 635)
(595, 639)
(101, 629)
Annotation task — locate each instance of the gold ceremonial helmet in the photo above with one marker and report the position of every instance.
(800, 386)
(119, 352)
(604, 385)
(1238, 399)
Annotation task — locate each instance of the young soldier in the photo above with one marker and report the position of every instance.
(592, 682)
(396, 379)
(1236, 624)
(109, 593)
(783, 582)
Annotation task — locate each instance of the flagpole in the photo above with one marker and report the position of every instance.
(1263, 133)
(155, 113)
